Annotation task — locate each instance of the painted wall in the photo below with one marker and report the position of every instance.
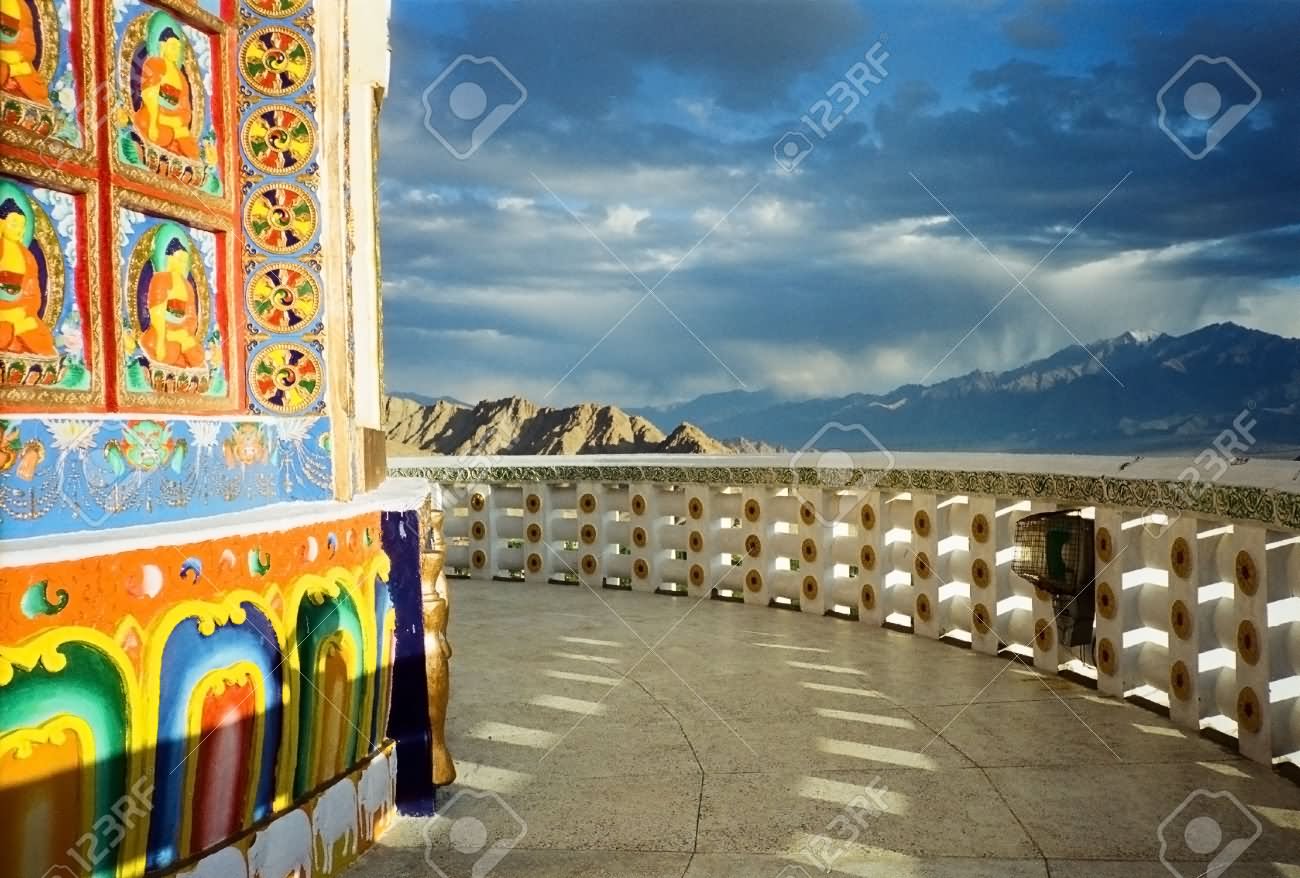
(158, 703)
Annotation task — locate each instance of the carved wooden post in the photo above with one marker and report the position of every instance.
(436, 595)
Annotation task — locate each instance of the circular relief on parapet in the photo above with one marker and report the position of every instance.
(285, 378)
(639, 538)
(283, 297)
(638, 504)
(1180, 620)
(533, 504)
(754, 581)
(1180, 558)
(1105, 545)
(979, 528)
(534, 563)
(275, 61)
(1180, 681)
(921, 565)
(867, 517)
(478, 560)
(587, 503)
(753, 546)
(867, 558)
(278, 139)
(589, 564)
(979, 573)
(478, 530)
(1043, 635)
(921, 523)
(695, 508)
(1247, 574)
(868, 596)
(807, 512)
(753, 510)
(588, 533)
(1106, 603)
(280, 217)
(1249, 713)
(697, 575)
(808, 550)
(533, 532)
(1248, 642)
(695, 541)
(477, 502)
(981, 618)
(1107, 660)
(640, 569)
(809, 588)
(923, 609)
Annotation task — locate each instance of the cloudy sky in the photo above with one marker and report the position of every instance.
(627, 235)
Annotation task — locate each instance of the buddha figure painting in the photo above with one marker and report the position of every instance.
(163, 112)
(20, 52)
(31, 291)
(33, 70)
(171, 313)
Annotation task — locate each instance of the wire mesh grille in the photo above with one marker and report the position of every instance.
(1054, 551)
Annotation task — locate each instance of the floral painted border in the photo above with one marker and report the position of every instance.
(1275, 508)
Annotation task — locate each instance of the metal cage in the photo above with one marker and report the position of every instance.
(1054, 551)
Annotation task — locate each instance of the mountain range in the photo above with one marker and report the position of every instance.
(518, 426)
(1140, 392)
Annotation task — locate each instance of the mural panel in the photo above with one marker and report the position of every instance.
(59, 475)
(42, 80)
(167, 128)
(174, 330)
(163, 701)
(49, 327)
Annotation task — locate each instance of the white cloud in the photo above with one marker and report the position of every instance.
(623, 220)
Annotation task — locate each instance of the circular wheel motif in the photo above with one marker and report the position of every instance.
(809, 588)
(477, 502)
(695, 508)
(275, 61)
(807, 512)
(923, 608)
(921, 565)
(588, 503)
(752, 510)
(753, 546)
(979, 528)
(921, 523)
(286, 378)
(478, 559)
(808, 550)
(754, 581)
(279, 139)
(533, 504)
(697, 575)
(868, 597)
(534, 533)
(588, 533)
(981, 616)
(478, 530)
(277, 8)
(696, 541)
(639, 538)
(280, 218)
(1106, 602)
(979, 570)
(283, 297)
(638, 504)
(868, 558)
(868, 517)
(589, 564)
(1248, 710)
(534, 563)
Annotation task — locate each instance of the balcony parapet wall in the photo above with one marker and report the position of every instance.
(1197, 592)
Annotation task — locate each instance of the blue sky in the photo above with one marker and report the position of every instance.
(627, 235)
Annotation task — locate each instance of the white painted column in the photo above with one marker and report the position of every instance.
(982, 575)
(925, 558)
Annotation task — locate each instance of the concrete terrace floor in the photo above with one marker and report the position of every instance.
(748, 732)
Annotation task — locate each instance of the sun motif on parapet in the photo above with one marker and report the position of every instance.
(280, 218)
(279, 139)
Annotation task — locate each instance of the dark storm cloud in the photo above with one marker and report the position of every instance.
(652, 120)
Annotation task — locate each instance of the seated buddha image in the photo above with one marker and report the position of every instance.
(23, 329)
(170, 315)
(20, 52)
(163, 98)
